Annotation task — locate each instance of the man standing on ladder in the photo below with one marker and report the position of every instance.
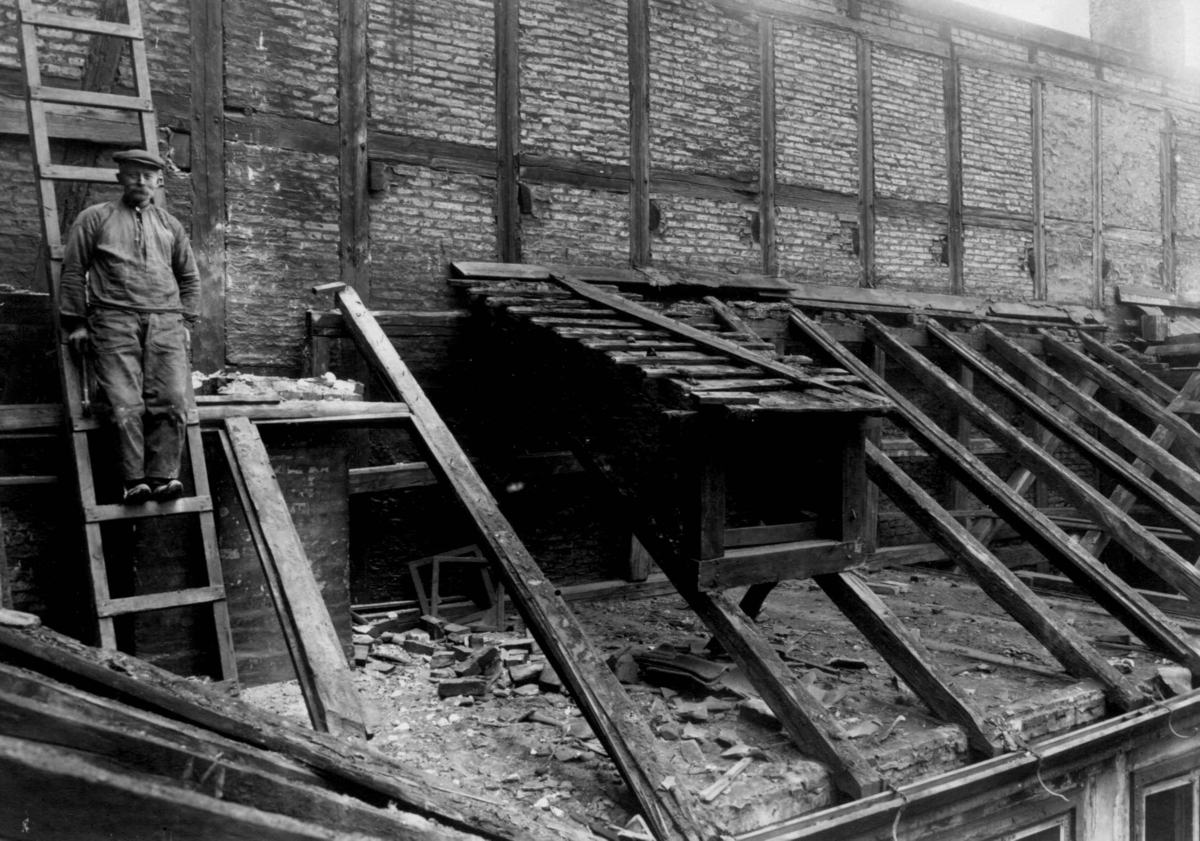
(130, 290)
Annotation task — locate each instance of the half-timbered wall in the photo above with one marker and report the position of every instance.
(916, 145)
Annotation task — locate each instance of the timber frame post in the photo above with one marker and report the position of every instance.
(638, 34)
(508, 130)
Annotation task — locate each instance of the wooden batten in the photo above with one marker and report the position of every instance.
(952, 103)
(866, 164)
(508, 128)
(638, 33)
(1153, 386)
(766, 178)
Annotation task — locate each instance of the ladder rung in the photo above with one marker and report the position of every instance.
(92, 99)
(184, 505)
(160, 601)
(81, 24)
(95, 174)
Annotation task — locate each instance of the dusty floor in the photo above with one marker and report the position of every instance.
(552, 772)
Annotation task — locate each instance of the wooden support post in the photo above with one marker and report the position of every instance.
(853, 481)
(611, 713)
(333, 705)
(766, 177)
(1167, 181)
(909, 659)
(1133, 536)
(1121, 389)
(1001, 584)
(6, 599)
(1153, 386)
(638, 35)
(640, 561)
(1037, 109)
(705, 498)
(874, 428)
(354, 220)
(1113, 594)
(364, 774)
(959, 495)
(866, 165)
(208, 179)
(508, 129)
(1097, 203)
(954, 178)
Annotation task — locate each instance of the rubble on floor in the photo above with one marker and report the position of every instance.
(266, 388)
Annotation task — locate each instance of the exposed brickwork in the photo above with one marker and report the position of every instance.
(424, 220)
(281, 237)
(575, 80)
(908, 254)
(1133, 264)
(168, 47)
(570, 225)
(281, 57)
(891, 15)
(996, 262)
(978, 42)
(23, 226)
(1187, 186)
(818, 247)
(996, 142)
(816, 108)
(704, 114)
(1067, 64)
(910, 125)
(1131, 165)
(1067, 154)
(418, 87)
(1187, 274)
(1133, 79)
(704, 233)
(1068, 269)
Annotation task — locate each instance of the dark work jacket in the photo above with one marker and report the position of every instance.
(120, 257)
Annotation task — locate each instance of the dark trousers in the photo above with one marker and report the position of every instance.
(141, 364)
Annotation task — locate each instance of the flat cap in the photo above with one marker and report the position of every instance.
(139, 156)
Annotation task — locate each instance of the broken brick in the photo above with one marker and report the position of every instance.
(461, 686)
(419, 647)
(478, 662)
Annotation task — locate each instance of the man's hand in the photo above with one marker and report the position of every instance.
(78, 339)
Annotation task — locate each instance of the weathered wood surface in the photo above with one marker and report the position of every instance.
(365, 774)
(1134, 537)
(740, 566)
(1142, 618)
(508, 128)
(37, 709)
(1000, 583)
(314, 410)
(907, 656)
(335, 705)
(1147, 381)
(603, 701)
(1075, 435)
(638, 28)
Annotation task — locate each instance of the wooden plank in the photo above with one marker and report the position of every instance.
(601, 698)
(1122, 390)
(640, 561)
(763, 535)
(952, 105)
(1141, 544)
(6, 599)
(354, 214)
(317, 410)
(1097, 202)
(161, 601)
(366, 774)
(909, 659)
(207, 167)
(874, 433)
(38, 710)
(705, 340)
(15, 417)
(1147, 381)
(866, 164)
(91, 99)
(999, 659)
(95, 175)
(1101, 583)
(508, 128)
(336, 707)
(36, 17)
(1001, 584)
(1155, 455)
(766, 175)
(52, 793)
(1037, 112)
(963, 431)
(779, 562)
(638, 36)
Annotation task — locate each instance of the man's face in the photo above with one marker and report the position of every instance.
(140, 181)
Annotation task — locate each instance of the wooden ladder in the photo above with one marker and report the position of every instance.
(73, 373)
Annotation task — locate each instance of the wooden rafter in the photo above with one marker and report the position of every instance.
(1152, 384)
(1113, 594)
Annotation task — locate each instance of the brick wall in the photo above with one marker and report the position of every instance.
(910, 254)
(705, 94)
(818, 246)
(281, 237)
(1067, 193)
(23, 227)
(706, 233)
(575, 80)
(425, 219)
(576, 226)
(910, 125)
(997, 262)
(996, 142)
(1130, 165)
(418, 86)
